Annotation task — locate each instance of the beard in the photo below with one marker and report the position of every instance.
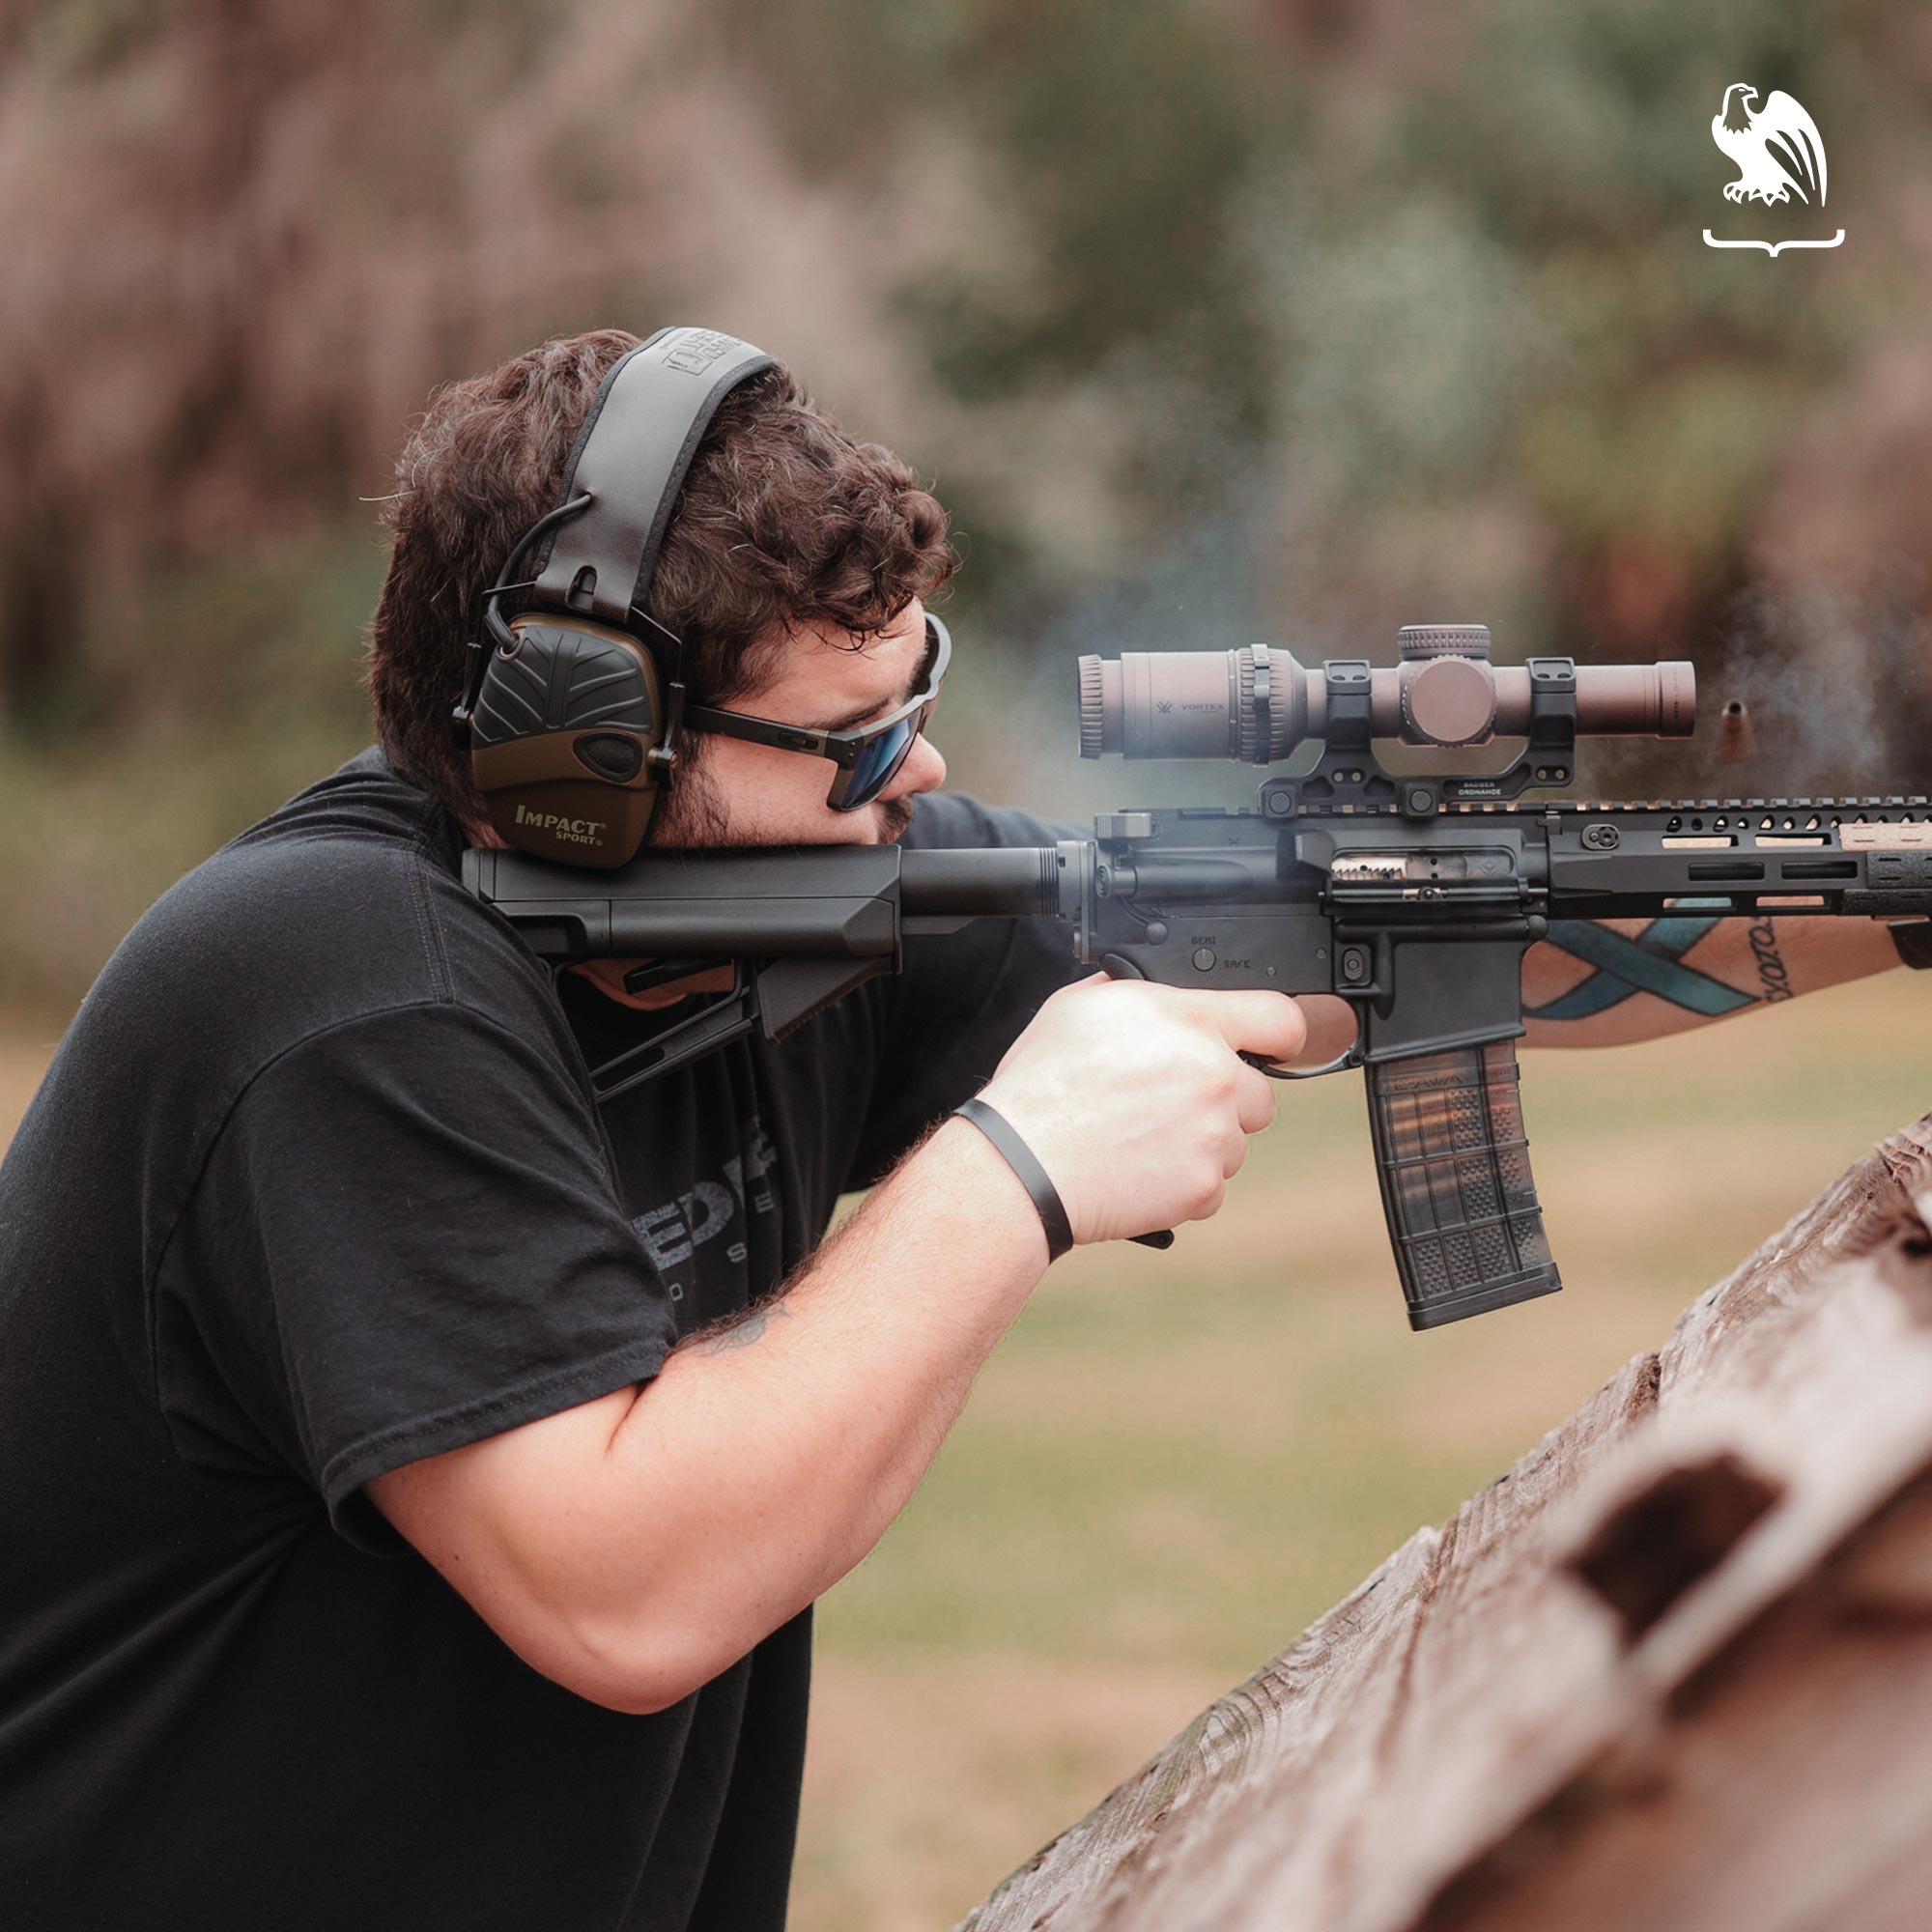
(691, 812)
(693, 815)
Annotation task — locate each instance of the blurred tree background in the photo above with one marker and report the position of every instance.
(1284, 319)
(1292, 320)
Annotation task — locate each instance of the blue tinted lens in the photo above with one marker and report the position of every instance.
(878, 761)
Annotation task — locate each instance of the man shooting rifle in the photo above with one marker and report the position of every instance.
(422, 1473)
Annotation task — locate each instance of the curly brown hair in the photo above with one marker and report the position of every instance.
(782, 519)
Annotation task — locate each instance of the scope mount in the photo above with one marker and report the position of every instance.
(1348, 774)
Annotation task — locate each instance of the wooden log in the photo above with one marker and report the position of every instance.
(1674, 1670)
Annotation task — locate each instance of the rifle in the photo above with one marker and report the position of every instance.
(1411, 894)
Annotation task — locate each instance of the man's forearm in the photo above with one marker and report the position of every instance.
(767, 1458)
(1601, 982)
(634, 1546)
(848, 1382)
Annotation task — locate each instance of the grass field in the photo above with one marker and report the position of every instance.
(1174, 1462)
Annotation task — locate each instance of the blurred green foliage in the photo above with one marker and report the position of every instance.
(101, 811)
(1286, 318)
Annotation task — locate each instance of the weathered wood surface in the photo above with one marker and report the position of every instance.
(1674, 1670)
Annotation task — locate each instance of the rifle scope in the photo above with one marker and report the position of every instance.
(1257, 705)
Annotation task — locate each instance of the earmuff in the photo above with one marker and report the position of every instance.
(569, 713)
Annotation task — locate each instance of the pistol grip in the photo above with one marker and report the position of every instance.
(1118, 967)
(1454, 1166)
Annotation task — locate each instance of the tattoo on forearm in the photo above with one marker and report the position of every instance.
(1653, 962)
(1770, 973)
(742, 1330)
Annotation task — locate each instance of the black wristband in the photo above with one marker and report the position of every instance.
(1912, 940)
(1018, 1156)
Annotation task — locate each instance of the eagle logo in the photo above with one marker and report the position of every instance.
(1780, 149)
(1779, 152)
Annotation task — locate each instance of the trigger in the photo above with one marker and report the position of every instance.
(1117, 966)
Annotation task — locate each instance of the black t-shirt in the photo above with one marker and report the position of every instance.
(316, 1186)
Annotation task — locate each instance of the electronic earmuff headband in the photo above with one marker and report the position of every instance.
(568, 714)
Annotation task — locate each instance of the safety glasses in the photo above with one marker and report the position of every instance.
(868, 757)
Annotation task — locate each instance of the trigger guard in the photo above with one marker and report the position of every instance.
(1343, 1062)
(1346, 1061)
(1118, 967)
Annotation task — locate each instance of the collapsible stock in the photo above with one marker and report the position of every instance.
(1454, 1166)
